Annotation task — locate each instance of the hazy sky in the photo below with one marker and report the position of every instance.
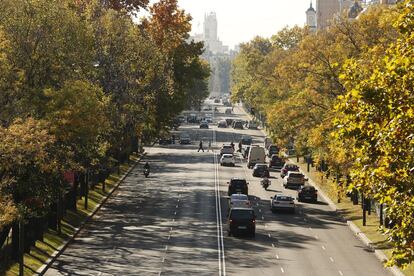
(241, 20)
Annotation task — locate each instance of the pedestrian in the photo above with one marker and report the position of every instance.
(173, 139)
(240, 146)
(209, 145)
(200, 146)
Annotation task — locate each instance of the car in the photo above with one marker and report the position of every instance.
(203, 124)
(287, 167)
(256, 155)
(222, 124)
(227, 111)
(216, 100)
(272, 149)
(229, 121)
(193, 119)
(227, 160)
(261, 169)
(238, 125)
(251, 125)
(241, 220)
(207, 108)
(165, 141)
(276, 162)
(246, 140)
(239, 200)
(209, 119)
(226, 103)
(308, 193)
(185, 139)
(226, 149)
(237, 185)
(282, 202)
(294, 179)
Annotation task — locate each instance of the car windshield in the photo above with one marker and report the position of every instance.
(227, 156)
(242, 214)
(238, 197)
(284, 198)
(296, 175)
(227, 147)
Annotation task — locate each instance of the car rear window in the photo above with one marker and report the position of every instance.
(239, 197)
(242, 214)
(296, 175)
(238, 183)
(284, 198)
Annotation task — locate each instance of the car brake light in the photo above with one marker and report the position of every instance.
(231, 221)
(254, 221)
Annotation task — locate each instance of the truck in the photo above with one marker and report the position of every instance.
(256, 155)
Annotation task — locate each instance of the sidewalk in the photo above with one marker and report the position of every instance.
(328, 196)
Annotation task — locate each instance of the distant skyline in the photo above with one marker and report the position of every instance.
(241, 20)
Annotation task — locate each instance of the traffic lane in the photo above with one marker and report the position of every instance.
(301, 241)
(327, 245)
(193, 244)
(132, 231)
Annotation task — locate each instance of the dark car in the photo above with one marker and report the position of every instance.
(276, 162)
(229, 121)
(165, 141)
(272, 149)
(288, 168)
(241, 220)
(203, 124)
(238, 125)
(237, 185)
(308, 193)
(261, 170)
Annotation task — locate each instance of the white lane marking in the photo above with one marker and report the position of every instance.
(262, 217)
(305, 219)
(260, 210)
(163, 259)
(340, 273)
(220, 240)
(166, 247)
(316, 237)
(273, 245)
(281, 269)
(175, 213)
(176, 206)
(173, 220)
(277, 256)
(270, 236)
(330, 258)
(323, 247)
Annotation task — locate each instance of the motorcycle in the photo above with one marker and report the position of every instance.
(265, 183)
(146, 172)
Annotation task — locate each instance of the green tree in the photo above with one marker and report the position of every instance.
(377, 116)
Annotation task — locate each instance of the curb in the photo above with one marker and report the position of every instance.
(355, 229)
(42, 270)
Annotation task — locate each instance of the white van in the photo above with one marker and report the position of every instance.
(256, 155)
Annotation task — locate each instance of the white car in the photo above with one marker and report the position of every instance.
(282, 203)
(227, 160)
(294, 179)
(226, 149)
(239, 200)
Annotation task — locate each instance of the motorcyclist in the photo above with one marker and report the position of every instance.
(265, 182)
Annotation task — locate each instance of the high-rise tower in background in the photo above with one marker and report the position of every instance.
(210, 27)
(311, 18)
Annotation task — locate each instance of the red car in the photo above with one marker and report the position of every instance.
(288, 167)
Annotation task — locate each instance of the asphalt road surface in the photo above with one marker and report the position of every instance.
(173, 223)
